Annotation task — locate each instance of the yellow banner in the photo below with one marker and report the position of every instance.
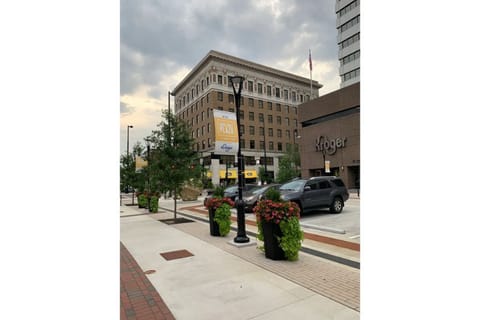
(140, 163)
(226, 131)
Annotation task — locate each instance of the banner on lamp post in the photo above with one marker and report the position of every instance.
(327, 166)
(226, 131)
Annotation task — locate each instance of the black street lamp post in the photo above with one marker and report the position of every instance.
(265, 156)
(241, 234)
(128, 157)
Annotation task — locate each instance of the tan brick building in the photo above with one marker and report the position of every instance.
(268, 111)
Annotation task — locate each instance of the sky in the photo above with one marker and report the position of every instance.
(162, 40)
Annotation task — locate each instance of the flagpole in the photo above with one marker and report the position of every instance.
(310, 63)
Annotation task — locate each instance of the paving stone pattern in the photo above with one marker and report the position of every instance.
(330, 279)
(138, 298)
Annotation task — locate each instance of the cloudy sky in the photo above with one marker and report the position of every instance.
(162, 40)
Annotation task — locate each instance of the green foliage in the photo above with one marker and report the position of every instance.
(222, 217)
(286, 214)
(288, 164)
(264, 175)
(291, 240)
(273, 194)
(153, 204)
(142, 201)
(218, 191)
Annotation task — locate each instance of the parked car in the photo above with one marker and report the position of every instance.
(251, 197)
(232, 192)
(316, 193)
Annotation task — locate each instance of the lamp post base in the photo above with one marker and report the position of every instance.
(241, 239)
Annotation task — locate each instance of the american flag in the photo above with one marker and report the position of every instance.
(310, 58)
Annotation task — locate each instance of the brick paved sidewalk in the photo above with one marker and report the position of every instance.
(138, 298)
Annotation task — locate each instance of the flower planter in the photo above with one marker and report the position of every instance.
(271, 233)
(214, 229)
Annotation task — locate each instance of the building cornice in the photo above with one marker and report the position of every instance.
(222, 57)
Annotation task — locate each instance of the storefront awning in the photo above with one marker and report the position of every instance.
(232, 174)
(250, 174)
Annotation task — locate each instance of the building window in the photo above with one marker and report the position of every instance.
(278, 106)
(351, 57)
(301, 98)
(242, 143)
(252, 144)
(220, 96)
(270, 132)
(294, 97)
(241, 114)
(260, 117)
(251, 130)
(250, 102)
(203, 115)
(287, 109)
(208, 97)
(220, 108)
(259, 88)
(208, 128)
(349, 24)
(350, 75)
(269, 90)
(279, 133)
(269, 105)
(231, 110)
(209, 142)
(277, 92)
(250, 86)
(349, 41)
(270, 147)
(251, 116)
(285, 94)
(294, 110)
(242, 129)
(220, 80)
(279, 146)
(230, 98)
(287, 121)
(262, 131)
(196, 119)
(347, 9)
(260, 104)
(279, 120)
(241, 101)
(270, 118)
(208, 81)
(262, 144)
(295, 122)
(203, 84)
(287, 133)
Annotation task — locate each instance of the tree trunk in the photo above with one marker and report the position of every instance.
(175, 204)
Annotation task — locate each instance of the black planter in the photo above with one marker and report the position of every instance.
(214, 229)
(272, 246)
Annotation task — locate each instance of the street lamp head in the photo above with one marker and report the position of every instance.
(130, 126)
(237, 80)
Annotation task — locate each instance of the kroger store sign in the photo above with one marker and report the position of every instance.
(323, 144)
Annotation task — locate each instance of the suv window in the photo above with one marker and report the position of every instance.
(338, 183)
(323, 184)
(312, 184)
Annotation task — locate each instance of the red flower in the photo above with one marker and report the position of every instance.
(214, 203)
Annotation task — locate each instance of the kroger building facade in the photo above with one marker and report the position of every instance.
(330, 135)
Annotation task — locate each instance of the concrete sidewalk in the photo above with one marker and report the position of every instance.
(221, 281)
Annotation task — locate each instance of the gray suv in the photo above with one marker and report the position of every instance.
(316, 193)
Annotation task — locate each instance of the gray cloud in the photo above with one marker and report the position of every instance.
(159, 37)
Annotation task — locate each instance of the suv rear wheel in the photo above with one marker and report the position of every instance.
(337, 205)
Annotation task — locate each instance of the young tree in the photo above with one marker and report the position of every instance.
(129, 178)
(172, 159)
(288, 164)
